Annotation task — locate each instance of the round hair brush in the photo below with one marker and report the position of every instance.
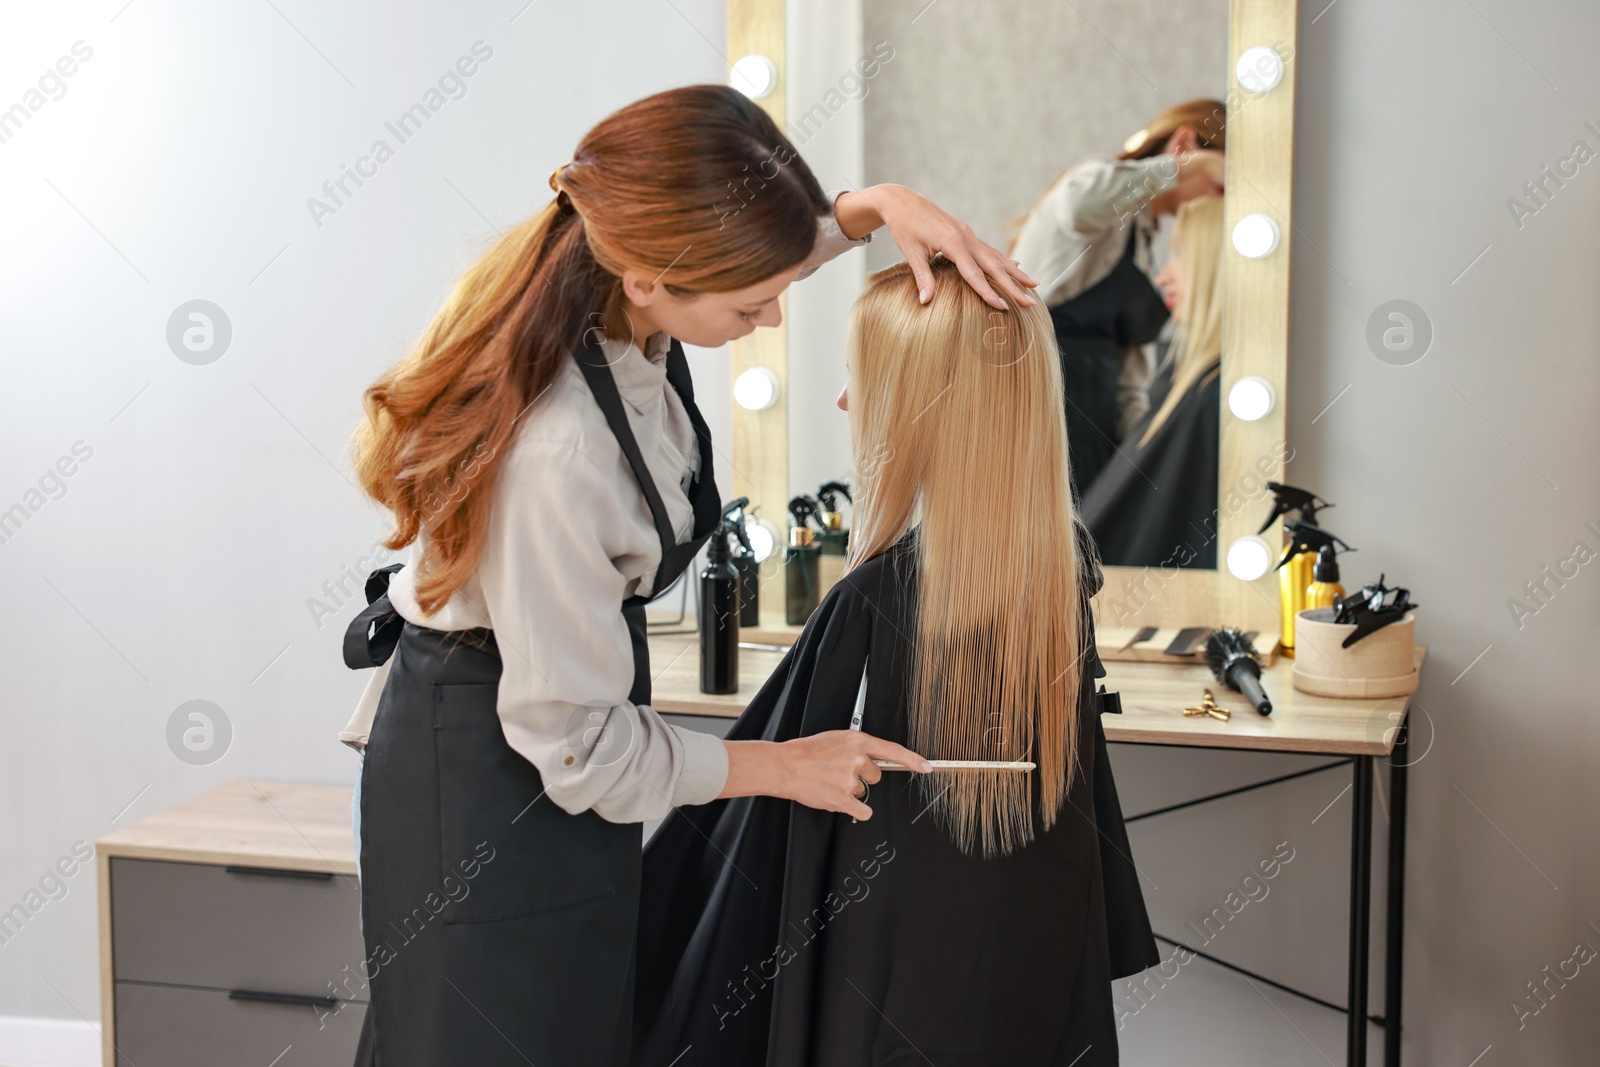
(1232, 658)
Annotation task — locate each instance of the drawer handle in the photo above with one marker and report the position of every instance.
(278, 872)
(296, 999)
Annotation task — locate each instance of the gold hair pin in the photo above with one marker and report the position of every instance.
(1209, 706)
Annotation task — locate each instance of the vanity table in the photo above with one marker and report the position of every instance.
(1357, 733)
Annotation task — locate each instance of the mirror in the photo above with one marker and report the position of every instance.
(1170, 304)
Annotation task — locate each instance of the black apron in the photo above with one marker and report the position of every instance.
(499, 929)
(1093, 329)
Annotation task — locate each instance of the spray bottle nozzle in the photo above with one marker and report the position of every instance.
(803, 508)
(732, 524)
(1304, 537)
(1287, 498)
(829, 493)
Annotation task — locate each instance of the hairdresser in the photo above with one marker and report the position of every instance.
(542, 453)
(1088, 241)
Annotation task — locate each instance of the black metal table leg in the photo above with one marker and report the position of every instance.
(1395, 928)
(1360, 911)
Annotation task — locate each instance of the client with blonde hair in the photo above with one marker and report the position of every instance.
(967, 916)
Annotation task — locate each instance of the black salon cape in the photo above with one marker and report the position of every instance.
(772, 933)
(1155, 504)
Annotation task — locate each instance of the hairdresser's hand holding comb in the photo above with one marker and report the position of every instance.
(822, 771)
(921, 228)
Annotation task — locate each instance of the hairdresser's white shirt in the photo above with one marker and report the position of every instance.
(570, 537)
(1078, 232)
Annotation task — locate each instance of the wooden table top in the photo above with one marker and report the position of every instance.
(294, 826)
(250, 824)
(1153, 698)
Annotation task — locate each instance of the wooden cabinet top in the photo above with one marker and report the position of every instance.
(283, 825)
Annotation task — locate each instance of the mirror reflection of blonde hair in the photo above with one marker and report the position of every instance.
(956, 422)
(1197, 345)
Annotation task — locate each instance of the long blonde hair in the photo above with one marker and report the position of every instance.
(956, 421)
(1197, 345)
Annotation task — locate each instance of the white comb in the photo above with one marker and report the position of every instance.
(962, 765)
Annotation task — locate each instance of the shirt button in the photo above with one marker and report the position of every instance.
(569, 761)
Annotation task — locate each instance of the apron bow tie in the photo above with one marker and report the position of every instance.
(364, 644)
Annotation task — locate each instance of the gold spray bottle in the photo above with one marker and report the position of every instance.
(1294, 576)
(1302, 539)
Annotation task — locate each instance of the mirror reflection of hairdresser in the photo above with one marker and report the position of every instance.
(1154, 503)
(542, 452)
(1087, 240)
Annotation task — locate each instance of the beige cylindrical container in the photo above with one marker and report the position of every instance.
(1382, 664)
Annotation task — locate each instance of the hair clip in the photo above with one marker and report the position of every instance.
(1371, 609)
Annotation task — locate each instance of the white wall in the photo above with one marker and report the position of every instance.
(178, 561)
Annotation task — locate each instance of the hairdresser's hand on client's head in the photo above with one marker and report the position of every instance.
(921, 228)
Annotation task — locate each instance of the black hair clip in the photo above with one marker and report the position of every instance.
(1371, 609)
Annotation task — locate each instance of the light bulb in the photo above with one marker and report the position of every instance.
(763, 538)
(1249, 557)
(1259, 69)
(1252, 397)
(756, 389)
(755, 76)
(1255, 236)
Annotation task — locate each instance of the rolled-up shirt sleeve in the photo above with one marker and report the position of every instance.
(1098, 195)
(831, 241)
(555, 596)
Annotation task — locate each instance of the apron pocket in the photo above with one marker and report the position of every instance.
(506, 850)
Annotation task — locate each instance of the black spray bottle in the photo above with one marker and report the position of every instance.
(719, 615)
(744, 564)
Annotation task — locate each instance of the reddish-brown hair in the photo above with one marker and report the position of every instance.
(694, 185)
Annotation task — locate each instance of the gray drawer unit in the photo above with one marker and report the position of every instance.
(169, 1026)
(227, 928)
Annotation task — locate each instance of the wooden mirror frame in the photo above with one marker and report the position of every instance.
(1260, 179)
